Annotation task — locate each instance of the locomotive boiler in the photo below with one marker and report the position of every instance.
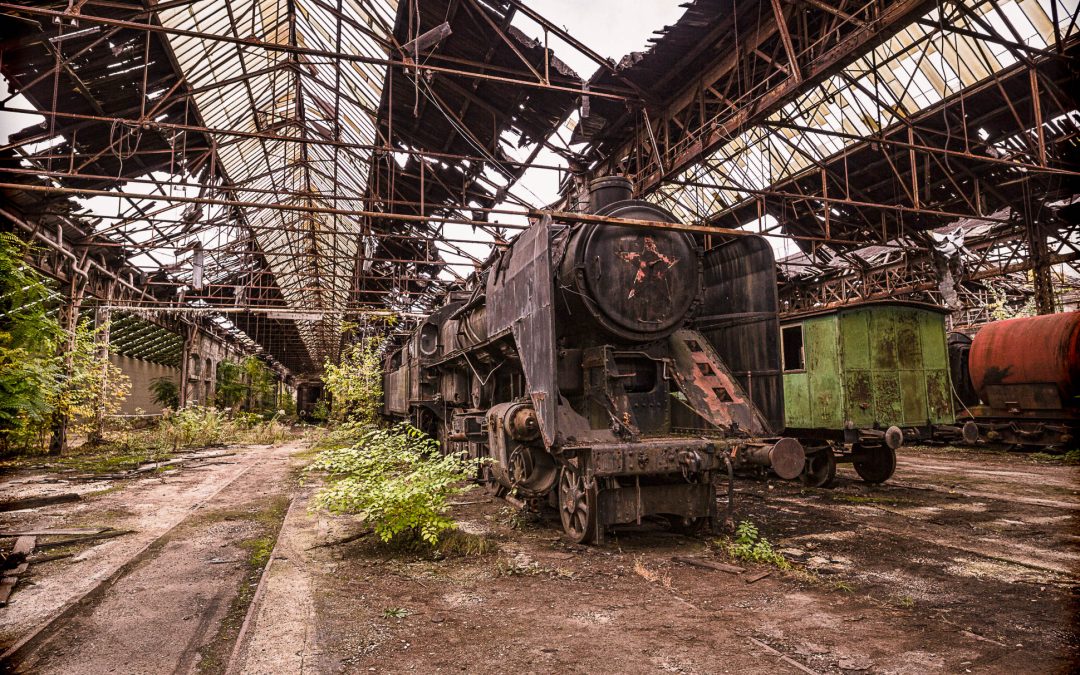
(572, 362)
(1020, 380)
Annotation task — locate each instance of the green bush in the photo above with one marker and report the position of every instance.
(267, 432)
(397, 479)
(355, 382)
(29, 337)
(166, 392)
(197, 426)
(750, 546)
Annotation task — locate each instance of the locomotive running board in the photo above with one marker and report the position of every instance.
(709, 386)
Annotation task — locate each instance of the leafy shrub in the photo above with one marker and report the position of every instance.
(94, 388)
(750, 546)
(247, 420)
(355, 382)
(396, 479)
(197, 426)
(269, 432)
(29, 337)
(166, 392)
(337, 436)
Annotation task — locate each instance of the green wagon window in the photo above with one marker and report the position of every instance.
(792, 339)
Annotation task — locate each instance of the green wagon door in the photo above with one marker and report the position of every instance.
(796, 379)
(909, 360)
(884, 361)
(939, 400)
(856, 367)
(823, 368)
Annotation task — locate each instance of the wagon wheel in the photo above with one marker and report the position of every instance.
(820, 469)
(428, 422)
(577, 505)
(874, 465)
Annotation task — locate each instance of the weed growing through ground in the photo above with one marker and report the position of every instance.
(749, 546)
(652, 576)
(1071, 457)
(520, 566)
(518, 519)
(395, 613)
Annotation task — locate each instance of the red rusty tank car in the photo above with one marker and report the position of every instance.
(1026, 374)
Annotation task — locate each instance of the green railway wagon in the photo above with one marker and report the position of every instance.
(861, 380)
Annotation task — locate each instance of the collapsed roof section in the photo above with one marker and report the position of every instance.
(743, 101)
(301, 129)
(446, 136)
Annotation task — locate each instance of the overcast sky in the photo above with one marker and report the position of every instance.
(612, 28)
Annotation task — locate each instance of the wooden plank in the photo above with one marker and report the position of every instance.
(709, 565)
(92, 537)
(37, 502)
(54, 533)
(784, 657)
(24, 546)
(758, 577)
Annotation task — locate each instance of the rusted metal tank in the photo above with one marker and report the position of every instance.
(1028, 364)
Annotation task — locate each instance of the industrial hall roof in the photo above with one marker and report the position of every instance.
(280, 167)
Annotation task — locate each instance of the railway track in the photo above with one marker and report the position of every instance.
(73, 622)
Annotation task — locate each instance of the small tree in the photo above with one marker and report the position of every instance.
(94, 388)
(355, 383)
(29, 338)
(166, 392)
(230, 389)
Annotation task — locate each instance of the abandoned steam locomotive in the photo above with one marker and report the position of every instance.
(575, 360)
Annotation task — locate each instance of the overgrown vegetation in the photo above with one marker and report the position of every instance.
(1072, 457)
(200, 427)
(250, 386)
(39, 388)
(196, 426)
(29, 338)
(749, 546)
(396, 479)
(355, 382)
(166, 392)
(94, 389)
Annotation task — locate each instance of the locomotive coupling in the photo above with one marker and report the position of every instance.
(785, 457)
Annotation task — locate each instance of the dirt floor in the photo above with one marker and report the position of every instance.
(965, 562)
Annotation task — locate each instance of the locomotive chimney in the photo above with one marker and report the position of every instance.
(608, 190)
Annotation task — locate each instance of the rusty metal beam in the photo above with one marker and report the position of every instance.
(893, 17)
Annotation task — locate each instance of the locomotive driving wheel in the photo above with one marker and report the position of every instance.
(875, 464)
(491, 484)
(577, 505)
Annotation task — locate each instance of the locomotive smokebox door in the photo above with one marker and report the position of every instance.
(624, 284)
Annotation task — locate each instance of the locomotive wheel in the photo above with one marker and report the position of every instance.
(491, 485)
(690, 527)
(874, 465)
(820, 469)
(577, 506)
